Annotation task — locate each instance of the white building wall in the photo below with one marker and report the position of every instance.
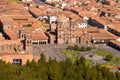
(53, 0)
(82, 25)
(52, 19)
(26, 0)
(42, 17)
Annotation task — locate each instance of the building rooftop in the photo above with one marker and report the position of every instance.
(115, 42)
(39, 35)
(11, 42)
(37, 11)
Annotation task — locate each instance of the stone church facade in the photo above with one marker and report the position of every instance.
(66, 32)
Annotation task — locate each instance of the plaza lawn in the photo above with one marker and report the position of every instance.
(115, 61)
(102, 52)
(73, 55)
(109, 57)
(70, 53)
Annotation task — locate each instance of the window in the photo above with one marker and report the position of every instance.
(27, 42)
(17, 61)
(59, 35)
(60, 27)
(30, 42)
(22, 35)
(73, 35)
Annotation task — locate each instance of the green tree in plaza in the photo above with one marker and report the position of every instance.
(117, 75)
(108, 57)
(42, 58)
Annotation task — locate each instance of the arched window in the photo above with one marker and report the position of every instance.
(60, 27)
(60, 36)
(73, 35)
(30, 41)
(22, 35)
(27, 42)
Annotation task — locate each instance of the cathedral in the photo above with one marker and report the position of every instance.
(67, 32)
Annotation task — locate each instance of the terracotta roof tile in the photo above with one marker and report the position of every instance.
(39, 35)
(37, 11)
(115, 42)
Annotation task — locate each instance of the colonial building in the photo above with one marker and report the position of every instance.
(17, 59)
(38, 13)
(67, 32)
(52, 18)
(11, 46)
(33, 35)
(7, 22)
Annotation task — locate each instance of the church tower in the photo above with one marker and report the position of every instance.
(73, 27)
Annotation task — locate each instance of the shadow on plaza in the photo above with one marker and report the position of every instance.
(114, 46)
